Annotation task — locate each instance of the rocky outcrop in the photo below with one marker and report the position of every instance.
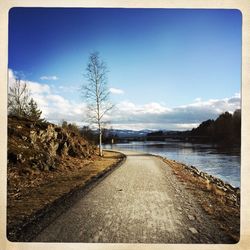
(42, 146)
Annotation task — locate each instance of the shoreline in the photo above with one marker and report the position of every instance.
(187, 165)
(219, 200)
(211, 182)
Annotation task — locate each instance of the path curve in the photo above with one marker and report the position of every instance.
(140, 202)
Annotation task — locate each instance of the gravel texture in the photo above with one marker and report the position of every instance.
(142, 201)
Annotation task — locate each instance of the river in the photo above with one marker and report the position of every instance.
(223, 163)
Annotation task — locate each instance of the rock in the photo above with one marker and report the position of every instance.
(20, 158)
(193, 230)
(34, 166)
(65, 149)
(41, 146)
(46, 168)
(53, 148)
(42, 135)
(24, 138)
(51, 133)
(33, 136)
(191, 217)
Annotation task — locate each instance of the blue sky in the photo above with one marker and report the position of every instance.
(163, 60)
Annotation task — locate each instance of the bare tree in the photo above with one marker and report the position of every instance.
(96, 93)
(18, 97)
(20, 102)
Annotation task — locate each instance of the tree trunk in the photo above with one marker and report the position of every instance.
(100, 140)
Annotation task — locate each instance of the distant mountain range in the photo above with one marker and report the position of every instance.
(129, 133)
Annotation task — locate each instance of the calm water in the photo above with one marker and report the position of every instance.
(222, 163)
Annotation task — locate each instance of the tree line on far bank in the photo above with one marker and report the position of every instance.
(226, 130)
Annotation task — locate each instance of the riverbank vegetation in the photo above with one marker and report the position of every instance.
(225, 130)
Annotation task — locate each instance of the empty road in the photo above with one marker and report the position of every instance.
(140, 202)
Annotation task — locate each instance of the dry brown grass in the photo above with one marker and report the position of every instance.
(217, 204)
(29, 191)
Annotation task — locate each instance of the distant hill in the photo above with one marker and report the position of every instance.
(226, 129)
(129, 133)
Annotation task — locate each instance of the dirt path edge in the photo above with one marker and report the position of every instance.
(35, 223)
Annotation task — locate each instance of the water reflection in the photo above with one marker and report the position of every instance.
(221, 162)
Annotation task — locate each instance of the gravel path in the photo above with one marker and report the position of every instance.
(140, 202)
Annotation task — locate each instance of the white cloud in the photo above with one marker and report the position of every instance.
(116, 91)
(154, 115)
(38, 88)
(69, 89)
(54, 78)
(155, 126)
(186, 125)
(55, 107)
(198, 99)
(149, 108)
(11, 76)
(128, 115)
(237, 95)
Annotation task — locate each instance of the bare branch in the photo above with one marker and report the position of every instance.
(18, 98)
(106, 110)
